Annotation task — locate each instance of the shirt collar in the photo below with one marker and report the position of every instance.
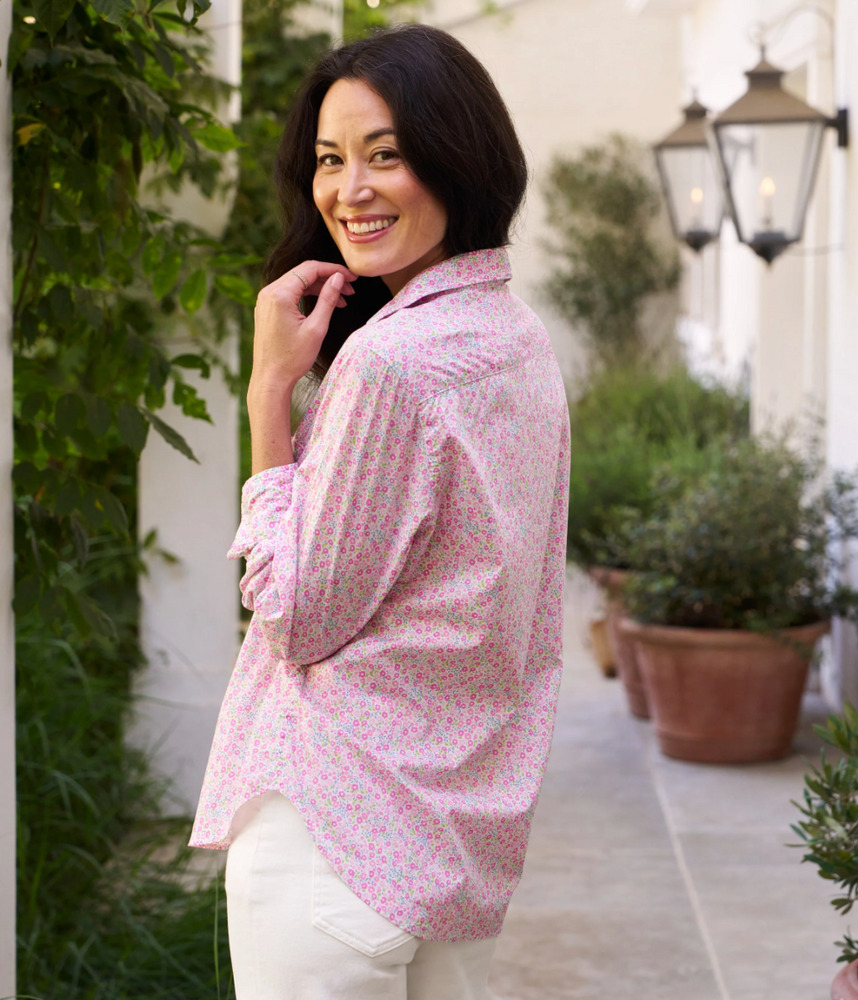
(476, 268)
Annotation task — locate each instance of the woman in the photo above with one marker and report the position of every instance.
(380, 748)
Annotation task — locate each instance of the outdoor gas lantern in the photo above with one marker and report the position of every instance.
(767, 145)
(690, 181)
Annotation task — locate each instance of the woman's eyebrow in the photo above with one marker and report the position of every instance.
(370, 137)
(387, 130)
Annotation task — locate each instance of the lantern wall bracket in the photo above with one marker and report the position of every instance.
(840, 122)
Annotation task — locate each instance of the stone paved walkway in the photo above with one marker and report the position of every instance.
(651, 879)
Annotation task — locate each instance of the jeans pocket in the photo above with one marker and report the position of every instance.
(339, 912)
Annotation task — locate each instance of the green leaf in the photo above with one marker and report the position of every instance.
(153, 254)
(193, 292)
(97, 415)
(50, 607)
(27, 133)
(118, 268)
(32, 403)
(62, 305)
(52, 14)
(69, 412)
(90, 506)
(192, 361)
(133, 429)
(26, 476)
(76, 615)
(26, 439)
(165, 277)
(114, 510)
(114, 11)
(170, 435)
(98, 620)
(26, 594)
(235, 288)
(67, 498)
(218, 138)
(80, 537)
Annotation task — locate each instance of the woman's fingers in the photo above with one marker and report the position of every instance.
(328, 299)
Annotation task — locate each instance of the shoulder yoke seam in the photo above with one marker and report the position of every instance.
(481, 378)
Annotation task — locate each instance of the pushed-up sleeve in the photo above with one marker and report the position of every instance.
(326, 538)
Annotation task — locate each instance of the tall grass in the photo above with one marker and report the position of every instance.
(109, 906)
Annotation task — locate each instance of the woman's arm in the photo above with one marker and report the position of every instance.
(326, 539)
(285, 345)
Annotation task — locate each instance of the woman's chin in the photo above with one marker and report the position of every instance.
(365, 270)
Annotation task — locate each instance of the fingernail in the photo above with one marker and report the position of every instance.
(337, 281)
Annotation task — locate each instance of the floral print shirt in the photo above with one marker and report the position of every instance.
(398, 680)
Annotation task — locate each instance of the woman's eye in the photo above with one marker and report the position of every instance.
(387, 154)
(328, 160)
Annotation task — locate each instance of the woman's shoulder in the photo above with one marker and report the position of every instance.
(454, 337)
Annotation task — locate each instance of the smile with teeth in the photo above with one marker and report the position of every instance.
(369, 227)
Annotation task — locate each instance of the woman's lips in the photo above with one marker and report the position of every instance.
(365, 237)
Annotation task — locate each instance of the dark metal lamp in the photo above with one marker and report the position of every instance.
(690, 181)
(767, 147)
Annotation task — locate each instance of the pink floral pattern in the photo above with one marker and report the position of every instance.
(399, 678)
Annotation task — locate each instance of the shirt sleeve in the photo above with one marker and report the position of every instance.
(326, 538)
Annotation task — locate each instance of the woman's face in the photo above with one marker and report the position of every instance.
(384, 221)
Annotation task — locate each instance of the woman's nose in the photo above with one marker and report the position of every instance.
(355, 188)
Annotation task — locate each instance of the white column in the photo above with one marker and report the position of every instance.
(190, 609)
(7, 625)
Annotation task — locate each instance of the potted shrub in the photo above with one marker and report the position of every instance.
(829, 832)
(628, 424)
(737, 578)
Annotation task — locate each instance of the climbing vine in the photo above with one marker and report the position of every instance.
(106, 94)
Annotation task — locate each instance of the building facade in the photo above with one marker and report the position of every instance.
(790, 328)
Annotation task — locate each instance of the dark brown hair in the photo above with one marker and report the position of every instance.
(452, 129)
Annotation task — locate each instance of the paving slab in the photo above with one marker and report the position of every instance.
(657, 879)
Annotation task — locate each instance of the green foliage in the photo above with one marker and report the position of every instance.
(608, 258)
(829, 830)
(359, 18)
(101, 91)
(629, 423)
(751, 542)
(107, 905)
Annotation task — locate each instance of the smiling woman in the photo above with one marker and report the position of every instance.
(452, 140)
(382, 742)
(384, 222)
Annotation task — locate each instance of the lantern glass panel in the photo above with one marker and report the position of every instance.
(770, 169)
(692, 189)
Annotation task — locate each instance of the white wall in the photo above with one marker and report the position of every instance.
(773, 319)
(842, 409)
(571, 72)
(7, 625)
(190, 611)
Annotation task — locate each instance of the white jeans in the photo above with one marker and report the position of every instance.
(297, 932)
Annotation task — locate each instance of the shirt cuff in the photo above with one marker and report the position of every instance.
(264, 499)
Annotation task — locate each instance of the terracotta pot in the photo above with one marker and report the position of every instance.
(622, 645)
(601, 646)
(723, 696)
(845, 985)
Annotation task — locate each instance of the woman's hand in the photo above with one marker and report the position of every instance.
(285, 345)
